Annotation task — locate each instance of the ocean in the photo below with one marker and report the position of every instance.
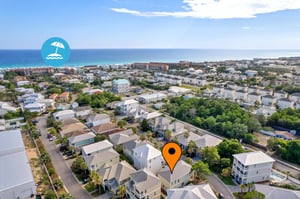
(32, 58)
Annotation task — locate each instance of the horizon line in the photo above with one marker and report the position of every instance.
(294, 49)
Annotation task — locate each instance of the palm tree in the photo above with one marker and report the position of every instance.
(191, 147)
(250, 186)
(186, 135)
(149, 134)
(121, 191)
(142, 137)
(243, 188)
(168, 134)
(96, 179)
(175, 139)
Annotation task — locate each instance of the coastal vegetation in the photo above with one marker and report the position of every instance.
(97, 100)
(221, 117)
(286, 149)
(287, 118)
(145, 84)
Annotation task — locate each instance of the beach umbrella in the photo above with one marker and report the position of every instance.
(57, 45)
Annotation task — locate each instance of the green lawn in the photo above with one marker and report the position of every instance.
(226, 180)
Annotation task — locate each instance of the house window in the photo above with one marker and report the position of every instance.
(155, 193)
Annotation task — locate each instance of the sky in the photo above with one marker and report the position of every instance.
(200, 24)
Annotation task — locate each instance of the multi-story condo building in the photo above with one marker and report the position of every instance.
(251, 167)
(120, 86)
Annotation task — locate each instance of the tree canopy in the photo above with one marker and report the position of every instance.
(218, 116)
(97, 100)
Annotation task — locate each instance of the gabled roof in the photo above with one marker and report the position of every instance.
(34, 105)
(102, 128)
(72, 127)
(144, 179)
(133, 144)
(98, 146)
(97, 117)
(101, 156)
(203, 191)
(285, 100)
(69, 121)
(181, 169)
(147, 152)
(122, 137)
(64, 112)
(251, 158)
(119, 172)
(81, 137)
(277, 193)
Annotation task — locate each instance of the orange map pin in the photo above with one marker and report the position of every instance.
(171, 152)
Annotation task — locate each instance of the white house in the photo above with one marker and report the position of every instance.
(285, 103)
(143, 184)
(241, 95)
(268, 100)
(265, 92)
(154, 97)
(22, 83)
(65, 114)
(120, 86)
(252, 167)
(100, 153)
(252, 89)
(251, 73)
(82, 111)
(146, 156)
(128, 106)
(280, 94)
(16, 176)
(202, 191)
(253, 98)
(297, 105)
(218, 91)
(295, 97)
(175, 90)
(5, 107)
(35, 107)
(49, 103)
(97, 119)
(229, 93)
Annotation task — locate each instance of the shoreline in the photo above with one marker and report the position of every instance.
(14, 59)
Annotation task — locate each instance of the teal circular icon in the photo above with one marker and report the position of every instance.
(55, 51)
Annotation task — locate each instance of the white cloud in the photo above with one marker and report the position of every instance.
(221, 9)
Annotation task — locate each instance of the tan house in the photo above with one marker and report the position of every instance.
(181, 175)
(115, 175)
(54, 96)
(105, 128)
(64, 97)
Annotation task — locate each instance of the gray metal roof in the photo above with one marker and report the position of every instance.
(10, 142)
(14, 168)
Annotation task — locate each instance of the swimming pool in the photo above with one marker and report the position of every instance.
(276, 176)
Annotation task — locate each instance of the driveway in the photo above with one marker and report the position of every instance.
(61, 167)
(219, 186)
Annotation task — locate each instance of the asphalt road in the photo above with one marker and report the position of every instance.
(60, 165)
(219, 186)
